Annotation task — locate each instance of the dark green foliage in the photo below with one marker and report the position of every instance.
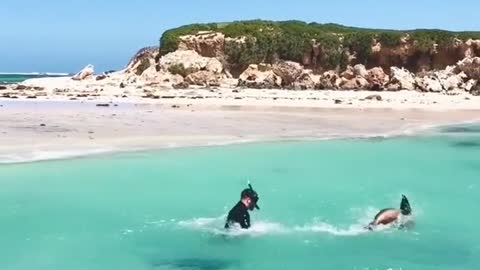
(425, 39)
(143, 66)
(268, 41)
(179, 69)
(169, 39)
(390, 39)
(361, 43)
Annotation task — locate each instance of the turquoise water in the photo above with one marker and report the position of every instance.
(165, 210)
(18, 78)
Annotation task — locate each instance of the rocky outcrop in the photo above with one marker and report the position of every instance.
(289, 72)
(451, 80)
(203, 78)
(401, 79)
(86, 73)
(358, 77)
(190, 61)
(357, 83)
(142, 60)
(429, 83)
(329, 80)
(151, 75)
(259, 77)
(307, 80)
(360, 71)
(206, 43)
(471, 67)
(377, 79)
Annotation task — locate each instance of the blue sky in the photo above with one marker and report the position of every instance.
(65, 35)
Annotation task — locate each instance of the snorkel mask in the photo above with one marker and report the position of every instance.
(252, 194)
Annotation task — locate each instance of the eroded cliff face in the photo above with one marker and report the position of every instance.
(202, 60)
(408, 54)
(411, 56)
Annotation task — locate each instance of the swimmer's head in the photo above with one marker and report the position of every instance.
(250, 198)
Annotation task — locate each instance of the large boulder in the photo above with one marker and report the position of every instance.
(357, 83)
(360, 71)
(429, 83)
(329, 81)
(259, 77)
(189, 61)
(151, 75)
(471, 67)
(306, 80)
(349, 73)
(206, 43)
(401, 79)
(289, 71)
(377, 79)
(86, 73)
(451, 80)
(203, 78)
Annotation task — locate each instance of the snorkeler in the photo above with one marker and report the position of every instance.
(390, 215)
(239, 213)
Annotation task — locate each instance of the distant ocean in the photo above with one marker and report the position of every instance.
(10, 78)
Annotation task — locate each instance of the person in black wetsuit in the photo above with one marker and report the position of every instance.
(239, 213)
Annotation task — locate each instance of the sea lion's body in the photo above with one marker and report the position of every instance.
(389, 216)
(386, 216)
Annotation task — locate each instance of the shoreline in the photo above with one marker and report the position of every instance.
(35, 130)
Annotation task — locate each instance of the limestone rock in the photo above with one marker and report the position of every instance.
(86, 73)
(100, 77)
(289, 71)
(329, 81)
(360, 70)
(307, 80)
(3, 87)
(471, 85)
(151, 75)
(429, 84)
(206, 43)
(450, 80)
(401, 79)
(349, 73)
(190, 61)
(203, 78)
(377, 79)
(358, 83)
(180, 85)
(471, 67)
(259, 77)
(374, 97)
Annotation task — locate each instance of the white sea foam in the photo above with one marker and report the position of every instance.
(50, 155)
(35, 73)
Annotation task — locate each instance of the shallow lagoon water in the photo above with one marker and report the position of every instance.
(165, 209)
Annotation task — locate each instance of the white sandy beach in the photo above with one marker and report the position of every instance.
(41, 129)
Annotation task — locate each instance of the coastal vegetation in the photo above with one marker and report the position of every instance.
(268, 41)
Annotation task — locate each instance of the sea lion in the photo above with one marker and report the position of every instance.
(390, 215)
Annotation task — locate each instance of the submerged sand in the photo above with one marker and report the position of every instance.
(37, 130)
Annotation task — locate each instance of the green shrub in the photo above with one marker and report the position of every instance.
(268, 41)
(144, 65)
(179, 69)
(390, 39)
(170, 38)
(361, 44)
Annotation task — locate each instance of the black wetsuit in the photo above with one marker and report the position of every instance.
(239, 214)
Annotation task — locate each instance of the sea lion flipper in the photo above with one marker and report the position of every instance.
(405, 206)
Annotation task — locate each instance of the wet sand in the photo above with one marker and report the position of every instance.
(37, 130)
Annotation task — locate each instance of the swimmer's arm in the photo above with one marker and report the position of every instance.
(246, 222)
